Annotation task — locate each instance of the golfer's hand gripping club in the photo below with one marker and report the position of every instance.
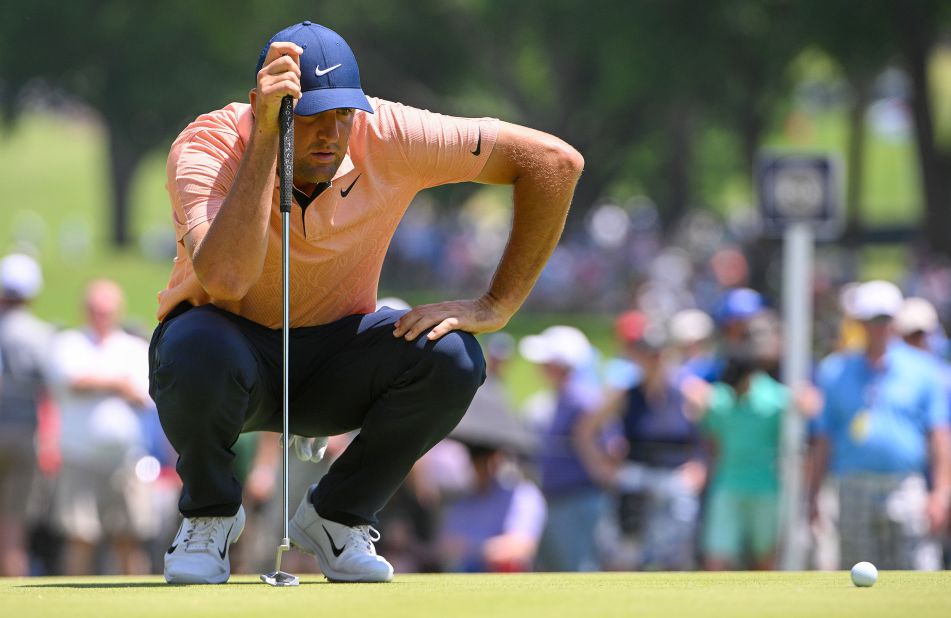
(286, 156)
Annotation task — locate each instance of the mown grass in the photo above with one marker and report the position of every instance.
(540, 595)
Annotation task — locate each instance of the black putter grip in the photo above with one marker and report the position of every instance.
(285, 157)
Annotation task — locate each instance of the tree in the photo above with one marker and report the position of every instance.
(861, 51)
(918, 25)
(633, 85)
(147, 68)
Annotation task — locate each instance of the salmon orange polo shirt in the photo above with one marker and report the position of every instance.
(338, 243)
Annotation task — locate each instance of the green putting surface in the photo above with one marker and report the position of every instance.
(538, 595)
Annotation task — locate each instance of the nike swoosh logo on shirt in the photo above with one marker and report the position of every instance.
(346, 192)
(478, 148)
(224, 550)
(336, 550)
(325, 71)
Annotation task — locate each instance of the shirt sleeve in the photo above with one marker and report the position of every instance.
(201, 169)
(527, 512)
(936, 401)
(621, 374)
(721, 400)
(825, 381)
(66, 361)
(436, 148)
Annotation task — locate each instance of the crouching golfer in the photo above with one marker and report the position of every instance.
(404, 379)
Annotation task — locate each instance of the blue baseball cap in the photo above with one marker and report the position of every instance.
(330, 78)
(740, 304)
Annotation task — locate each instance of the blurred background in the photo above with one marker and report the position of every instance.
(670, 102)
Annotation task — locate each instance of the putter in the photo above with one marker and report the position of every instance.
(286, 167)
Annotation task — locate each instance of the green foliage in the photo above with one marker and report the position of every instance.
(653, 92)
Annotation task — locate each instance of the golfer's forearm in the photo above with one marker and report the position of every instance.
(230, 257)
(542, 195)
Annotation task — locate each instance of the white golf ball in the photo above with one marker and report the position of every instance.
(864, 574)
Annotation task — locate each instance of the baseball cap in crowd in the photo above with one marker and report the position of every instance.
(740, 304)
(630, 326)
(690, 326)
(330, 78)
(20, 277)
(634, 327)
(916, 315)
(875, 299)
(561, 345)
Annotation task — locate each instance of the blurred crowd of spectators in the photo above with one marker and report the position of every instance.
(663, 455)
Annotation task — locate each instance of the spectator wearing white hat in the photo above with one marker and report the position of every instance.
(916, 322)
(691, 332)
(574, 500)
(883, 428)
(919, 326)
(24, 339)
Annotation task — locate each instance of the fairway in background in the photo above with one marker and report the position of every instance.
(55, 190)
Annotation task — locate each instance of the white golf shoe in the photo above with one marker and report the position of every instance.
(345, 553)
(199, 553)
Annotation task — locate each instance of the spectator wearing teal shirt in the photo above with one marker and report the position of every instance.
(883, 429)
(742, 414)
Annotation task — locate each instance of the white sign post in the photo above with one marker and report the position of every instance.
(799, 197)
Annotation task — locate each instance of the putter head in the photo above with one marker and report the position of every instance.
(280, 578)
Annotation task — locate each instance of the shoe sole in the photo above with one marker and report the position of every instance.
(293, 530)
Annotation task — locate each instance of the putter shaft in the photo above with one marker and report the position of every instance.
(286, 167)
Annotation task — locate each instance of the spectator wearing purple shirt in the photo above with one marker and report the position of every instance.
(495, 526)
(574, 499)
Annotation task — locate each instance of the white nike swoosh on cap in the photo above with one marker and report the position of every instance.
(325, 71)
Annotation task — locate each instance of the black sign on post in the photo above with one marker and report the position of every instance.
(799, 188)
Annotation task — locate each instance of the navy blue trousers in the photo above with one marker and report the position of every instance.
(214, 375)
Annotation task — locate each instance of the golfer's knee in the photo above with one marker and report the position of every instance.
(458, 367)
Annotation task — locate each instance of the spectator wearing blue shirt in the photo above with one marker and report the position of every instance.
(574, 499)
(883, 430)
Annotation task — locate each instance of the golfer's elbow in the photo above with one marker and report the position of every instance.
(223, 283)
(563, 159)
(224, 288)
(573, 162)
